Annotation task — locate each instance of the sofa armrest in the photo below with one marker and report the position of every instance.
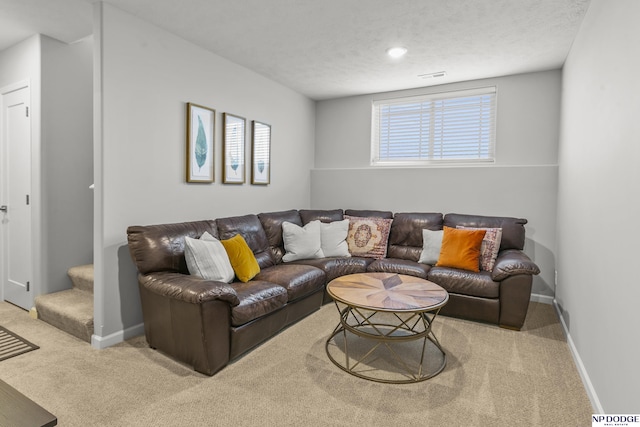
(512, 262)
(190, 289)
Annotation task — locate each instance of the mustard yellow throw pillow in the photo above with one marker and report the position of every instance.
(242, 259)
(460, 249)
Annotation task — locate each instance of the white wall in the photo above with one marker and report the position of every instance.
(599, 181)
(521, 183)
(67, 153)
(20, 61)
(144, 77)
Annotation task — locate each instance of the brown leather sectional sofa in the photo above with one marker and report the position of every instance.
(206, 324)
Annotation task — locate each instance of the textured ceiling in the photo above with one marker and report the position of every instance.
(332, 48)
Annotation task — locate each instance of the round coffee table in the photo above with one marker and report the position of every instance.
(385, 330)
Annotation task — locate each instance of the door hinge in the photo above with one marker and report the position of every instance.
(27, 199)
(27, 110)
(27, 286)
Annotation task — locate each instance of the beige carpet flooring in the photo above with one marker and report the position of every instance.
(493, 377)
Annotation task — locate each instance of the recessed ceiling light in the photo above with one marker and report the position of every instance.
(396, 52)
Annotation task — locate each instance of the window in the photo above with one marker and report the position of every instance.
(445, 127)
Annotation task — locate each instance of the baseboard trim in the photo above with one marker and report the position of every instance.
(117, 337)
(586, 381)
(544, 299)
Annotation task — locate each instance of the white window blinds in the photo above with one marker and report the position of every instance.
(453, 126)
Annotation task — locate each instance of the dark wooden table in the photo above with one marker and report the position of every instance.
(17, 410)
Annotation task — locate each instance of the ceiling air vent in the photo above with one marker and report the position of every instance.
(433, 75)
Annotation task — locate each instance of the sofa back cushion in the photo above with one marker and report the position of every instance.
(250, 228)
(405, 238)
(308, 215)
(272, 225)
(369, 213)
(513, 232)
(161, 247)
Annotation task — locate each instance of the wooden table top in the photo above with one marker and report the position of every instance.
(387, 292)
(17, 410)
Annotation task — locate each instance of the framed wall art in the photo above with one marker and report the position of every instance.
(261, 153)
(201, 122)
(233, 141)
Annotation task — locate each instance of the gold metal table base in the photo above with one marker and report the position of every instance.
(385, 346)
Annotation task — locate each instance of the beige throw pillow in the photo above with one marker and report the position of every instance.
(431, 244)
(301, 242)
(333, 238)
(207, 258)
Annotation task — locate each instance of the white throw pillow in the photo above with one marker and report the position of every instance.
(207, 258)
(333, 238)
(301, 242)
(431, 244)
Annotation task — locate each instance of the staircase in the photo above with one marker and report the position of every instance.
(71, 310)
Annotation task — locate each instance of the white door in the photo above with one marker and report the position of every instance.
(15, 190)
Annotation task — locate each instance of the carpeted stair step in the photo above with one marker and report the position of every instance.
(70, 311)
(82, 277)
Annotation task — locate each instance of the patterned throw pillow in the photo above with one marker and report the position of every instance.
(368, 236)
(490, 246)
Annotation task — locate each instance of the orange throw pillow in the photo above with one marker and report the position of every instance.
(241, 256)
(461, 249)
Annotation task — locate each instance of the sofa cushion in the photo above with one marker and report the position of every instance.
(399, 266)
(333, 238)
(169, 285)
(161, 247)
(244, 263)
(257, 298)
(308, 215)
(461, 249)
(405, 237)
(250, 228)
(465, 282)
(431, 246)
(368, 236)
(369, 213)
(272, 225)
(299, 280)
(490, 246)
(513, 232)
(301, 242)
(340, 266)
(207, 258)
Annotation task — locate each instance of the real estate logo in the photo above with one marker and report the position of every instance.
(615, 420)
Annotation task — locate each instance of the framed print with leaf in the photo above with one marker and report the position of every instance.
(201, 123)
(233, 139)
(261, 153)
